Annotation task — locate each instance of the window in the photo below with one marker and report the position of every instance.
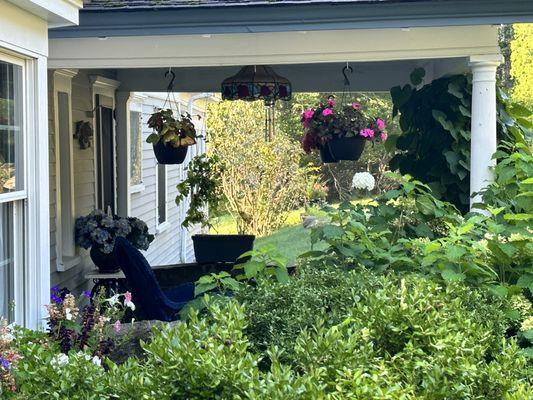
(12, 190)
(11, 133)
(135, 147)
(161, 195)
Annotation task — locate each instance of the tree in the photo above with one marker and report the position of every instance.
(521, 59)
(261, 180)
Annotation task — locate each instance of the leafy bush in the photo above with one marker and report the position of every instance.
(259, 194)
(392, 338)
(409, 229)
(435, 140)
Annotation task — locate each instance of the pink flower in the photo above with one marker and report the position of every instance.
(380, 124)
(331, 102)
(327, 111)
(367, 133)
(127, 297)
(308, 114)
(384, 136)
(357, 106)
(117, 326)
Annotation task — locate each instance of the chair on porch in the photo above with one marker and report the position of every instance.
(154, 303)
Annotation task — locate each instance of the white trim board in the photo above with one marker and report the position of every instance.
(274, 48)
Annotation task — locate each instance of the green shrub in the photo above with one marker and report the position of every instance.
(46, 373)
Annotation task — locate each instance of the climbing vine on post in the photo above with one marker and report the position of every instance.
(435, 122)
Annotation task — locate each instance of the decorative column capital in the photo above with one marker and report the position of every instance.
(484, 67)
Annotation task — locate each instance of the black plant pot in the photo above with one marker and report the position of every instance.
(325, 155)
(211, 249)
(343, 148)
(167, 154)
(106, 263)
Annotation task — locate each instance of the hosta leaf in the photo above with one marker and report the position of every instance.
(452, 276)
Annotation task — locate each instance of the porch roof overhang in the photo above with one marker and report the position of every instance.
(311, 60)
(206, 17)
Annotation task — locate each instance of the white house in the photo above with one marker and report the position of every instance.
(118, 170)
(123, 47)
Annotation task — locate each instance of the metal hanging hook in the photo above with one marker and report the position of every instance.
(346, 69)
(173, 77)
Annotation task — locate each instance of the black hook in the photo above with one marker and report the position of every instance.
(347, 68)
(171, 83)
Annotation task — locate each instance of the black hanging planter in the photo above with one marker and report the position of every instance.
(212, 249)
(342, 148)
(106, 263)
(168, 154)
(325, 155)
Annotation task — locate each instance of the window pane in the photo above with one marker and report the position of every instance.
(7, 260)
(161, 193)
(135, 148)
(11, 139)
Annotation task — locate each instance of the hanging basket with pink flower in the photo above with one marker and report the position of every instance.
(340, 133)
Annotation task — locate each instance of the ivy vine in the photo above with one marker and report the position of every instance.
(434, 146)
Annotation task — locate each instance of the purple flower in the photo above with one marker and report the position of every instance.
(5, 363)
(87, 294)
(327, 111)
(55, 295)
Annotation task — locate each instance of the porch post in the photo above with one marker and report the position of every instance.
(483, 139)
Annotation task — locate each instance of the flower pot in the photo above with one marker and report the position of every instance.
(345, 148)
(325, 155)
(106, 263)
(212, 249)
(167, 154)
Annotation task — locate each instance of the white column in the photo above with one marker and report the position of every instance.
(483, 140)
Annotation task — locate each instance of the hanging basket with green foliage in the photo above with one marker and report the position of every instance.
(172, 136)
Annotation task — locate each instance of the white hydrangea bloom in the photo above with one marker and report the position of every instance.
(59, 361)
(363, 180)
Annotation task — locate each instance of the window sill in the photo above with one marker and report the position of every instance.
(162, 227)
(67, 263)
(137, 188)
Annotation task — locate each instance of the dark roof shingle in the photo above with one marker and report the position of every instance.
(156, 4)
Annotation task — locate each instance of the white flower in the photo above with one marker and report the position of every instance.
(59, 361)
(363, 180)
(68, 314)
(97, 361)
(130, 304)
(114, 300)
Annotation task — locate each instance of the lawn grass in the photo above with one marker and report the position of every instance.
(289, 241)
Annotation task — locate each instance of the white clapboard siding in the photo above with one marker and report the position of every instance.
(84, 181)
(166, 247)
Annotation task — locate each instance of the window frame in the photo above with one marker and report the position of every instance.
(23, 193)
(135, 104)
(64, 262)
(22, 298)
(161, 226)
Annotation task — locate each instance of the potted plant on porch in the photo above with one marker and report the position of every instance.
(98, 231)
(339, 134)
(202, 184)
(172, 136)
